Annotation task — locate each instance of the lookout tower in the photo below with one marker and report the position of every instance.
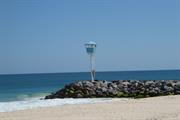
(90, 49)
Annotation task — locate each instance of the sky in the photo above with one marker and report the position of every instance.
(46, 36)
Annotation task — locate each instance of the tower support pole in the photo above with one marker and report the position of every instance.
(92, 67)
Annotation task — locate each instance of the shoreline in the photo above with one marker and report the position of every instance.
(41, 103)
(153, 108)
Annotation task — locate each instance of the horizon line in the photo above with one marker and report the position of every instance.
(86, 72)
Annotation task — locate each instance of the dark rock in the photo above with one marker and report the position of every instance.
(118, 88)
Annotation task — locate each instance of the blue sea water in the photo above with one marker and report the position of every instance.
(24, 86)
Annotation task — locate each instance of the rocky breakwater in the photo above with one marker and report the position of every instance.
(120, 88)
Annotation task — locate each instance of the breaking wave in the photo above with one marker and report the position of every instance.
(38, 102)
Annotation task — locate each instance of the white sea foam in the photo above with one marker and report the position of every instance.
(36, 103)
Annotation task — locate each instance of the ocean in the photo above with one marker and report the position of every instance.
(27, 89)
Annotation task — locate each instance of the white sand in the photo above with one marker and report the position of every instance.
(156, 108)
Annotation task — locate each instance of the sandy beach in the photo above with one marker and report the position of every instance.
(156, 108)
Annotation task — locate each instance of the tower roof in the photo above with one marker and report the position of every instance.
(91, 42)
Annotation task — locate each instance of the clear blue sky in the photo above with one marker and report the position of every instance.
(38, 36)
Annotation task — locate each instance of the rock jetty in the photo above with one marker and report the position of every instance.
(118, 88)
